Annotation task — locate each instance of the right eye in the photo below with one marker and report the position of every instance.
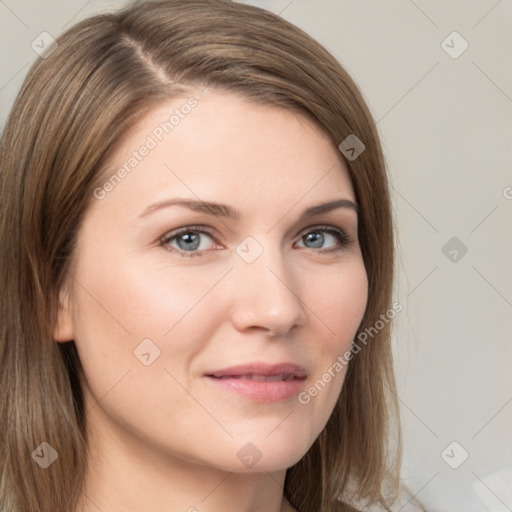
(188, 241)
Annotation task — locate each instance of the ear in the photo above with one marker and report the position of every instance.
(64, 330)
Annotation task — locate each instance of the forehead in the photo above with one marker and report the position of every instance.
(220, 146)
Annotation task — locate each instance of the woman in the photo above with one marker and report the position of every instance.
(197, 272)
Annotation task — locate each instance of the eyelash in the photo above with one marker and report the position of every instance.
(340, 236)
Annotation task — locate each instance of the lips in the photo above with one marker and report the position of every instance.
(260, 382)
(266, 378)
(262, 371)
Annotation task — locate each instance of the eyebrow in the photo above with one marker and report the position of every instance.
(223, 210)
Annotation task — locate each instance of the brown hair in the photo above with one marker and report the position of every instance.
(75, 106)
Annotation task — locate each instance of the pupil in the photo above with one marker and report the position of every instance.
(316, 239)
(191, 241)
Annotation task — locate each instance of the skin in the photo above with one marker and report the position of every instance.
(162, 437)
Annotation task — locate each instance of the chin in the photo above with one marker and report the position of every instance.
(263, 455)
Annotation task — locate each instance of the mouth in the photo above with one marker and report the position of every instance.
(260, 382)
(262, 378)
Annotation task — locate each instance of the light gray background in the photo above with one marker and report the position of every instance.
(446, 126)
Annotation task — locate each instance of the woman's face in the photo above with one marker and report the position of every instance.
(202, 330)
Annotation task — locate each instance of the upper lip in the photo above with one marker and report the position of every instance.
(263, 369)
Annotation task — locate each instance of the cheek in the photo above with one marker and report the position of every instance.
(121, 303)
(339, 303)
(125, 311)
(138, 299)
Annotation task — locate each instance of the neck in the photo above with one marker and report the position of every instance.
(125, 474)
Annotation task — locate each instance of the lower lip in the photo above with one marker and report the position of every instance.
(261, 391)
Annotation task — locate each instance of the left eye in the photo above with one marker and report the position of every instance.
(318, 236)
(189, 241)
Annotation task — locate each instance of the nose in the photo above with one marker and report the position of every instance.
(266, 294)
